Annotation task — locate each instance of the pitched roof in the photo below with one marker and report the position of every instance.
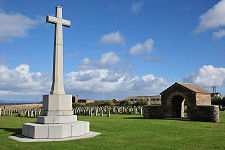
(189, 86)
(193, 87)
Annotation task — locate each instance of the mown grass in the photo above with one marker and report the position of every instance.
(126, 132)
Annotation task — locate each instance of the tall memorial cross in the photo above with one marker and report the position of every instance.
(57, 120)
(57, 79)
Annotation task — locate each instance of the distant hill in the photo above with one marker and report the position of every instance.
(4, 102)
(1, 101)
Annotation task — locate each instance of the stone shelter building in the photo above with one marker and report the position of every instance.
(76, 100)
(85, 101)
(173, 99)
(115, 100)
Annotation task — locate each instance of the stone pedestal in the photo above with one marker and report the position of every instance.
(57, 105)
(57, 120)
(55, 131)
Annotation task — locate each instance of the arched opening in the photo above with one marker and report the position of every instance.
(178, 106)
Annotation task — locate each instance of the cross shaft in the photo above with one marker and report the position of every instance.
(57, 79)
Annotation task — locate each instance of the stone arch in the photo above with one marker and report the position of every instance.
(176, 101)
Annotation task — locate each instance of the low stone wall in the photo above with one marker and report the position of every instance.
(208, 113)
(153, 112)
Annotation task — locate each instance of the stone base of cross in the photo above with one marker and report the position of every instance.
(57, 120)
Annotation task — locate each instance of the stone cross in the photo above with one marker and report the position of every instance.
(57, 79)
(57, 120)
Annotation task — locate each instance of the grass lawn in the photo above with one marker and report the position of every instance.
(126, 132)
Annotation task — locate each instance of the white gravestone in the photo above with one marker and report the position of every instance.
(101, 113)
(140, 111)
(96, 112)
(57, 120)
(108, 113)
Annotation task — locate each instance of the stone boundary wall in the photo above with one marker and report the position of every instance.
(153, 112)
(208, 113)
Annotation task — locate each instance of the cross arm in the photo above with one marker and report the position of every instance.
(66, 23)
(51, 19)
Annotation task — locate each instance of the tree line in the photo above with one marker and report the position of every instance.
(217, 100)
(125, 102)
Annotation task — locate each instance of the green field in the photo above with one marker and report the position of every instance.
(126, 132)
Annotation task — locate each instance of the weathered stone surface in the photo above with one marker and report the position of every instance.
(153, 112)
(208, 113)
(203, 99)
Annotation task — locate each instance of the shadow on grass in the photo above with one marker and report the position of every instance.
(134, 118)
(177, 119)
(14, 131)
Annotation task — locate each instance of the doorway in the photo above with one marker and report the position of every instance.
(178, 106)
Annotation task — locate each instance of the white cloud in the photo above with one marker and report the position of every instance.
(107, 60)
(154, 58)
(85, 64)
(113, 84)
(139, 48)
(20, 81)
(213, 18)
(219, 34)
(207, 76)
(98, 82)
(113, 38)
(136, 7)
(21, 84)
(14, 26)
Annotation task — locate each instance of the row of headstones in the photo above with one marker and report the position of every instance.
(88, 111)
(30, 113)
(4, 112)
(33, 113)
